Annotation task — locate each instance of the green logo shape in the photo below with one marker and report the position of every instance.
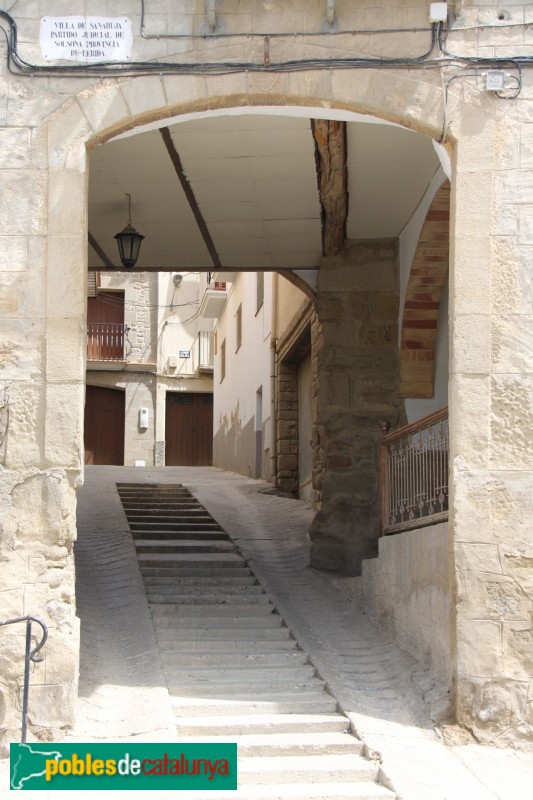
(123, 766)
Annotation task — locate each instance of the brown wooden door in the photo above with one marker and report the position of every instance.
(104, 426)
(105, 327)
(189, 430)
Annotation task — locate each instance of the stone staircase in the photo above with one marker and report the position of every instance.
(234, 672)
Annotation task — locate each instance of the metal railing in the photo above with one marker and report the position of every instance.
(105, 341)
(414, 463)
(203, 352)
(30, 655)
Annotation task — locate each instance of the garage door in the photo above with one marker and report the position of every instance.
(189, 430)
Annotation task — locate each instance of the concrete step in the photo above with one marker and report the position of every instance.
(226, 688)
(171, 510)
(327, 790)
(177, 495)
(193, 572)
(177, 536)
(262, 725)
(207, 582)
(181, 560)
(244, 658)
(317, 702)
(224, 647)
(172, 526)
(225, 637)
(213, 598)
(285, 744)
(139, 486)
(187, 546)
(202, 587)
(160, 521)
(301, 769)
(240, 675)
(218, 628)
(217, 613)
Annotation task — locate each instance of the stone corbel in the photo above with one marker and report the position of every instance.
(331, 11)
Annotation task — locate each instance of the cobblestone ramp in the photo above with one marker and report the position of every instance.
(232, 667)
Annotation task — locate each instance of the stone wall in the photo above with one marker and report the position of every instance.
(287, 427)
(141, 299)
(357, 361)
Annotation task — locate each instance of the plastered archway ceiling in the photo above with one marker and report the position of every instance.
(241, 192)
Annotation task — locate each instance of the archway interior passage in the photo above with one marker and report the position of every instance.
(249, 197)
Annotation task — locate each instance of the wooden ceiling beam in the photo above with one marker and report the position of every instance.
(191, 198)
(332, 178)
(101, 253)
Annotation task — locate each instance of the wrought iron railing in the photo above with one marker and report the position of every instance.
(30, 655)
(105, 341)
(414, 474)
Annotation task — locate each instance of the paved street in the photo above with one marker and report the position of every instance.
(386, 695)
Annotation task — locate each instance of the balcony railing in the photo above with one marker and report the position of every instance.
(203, 352)
(414, 474)
(105, 341)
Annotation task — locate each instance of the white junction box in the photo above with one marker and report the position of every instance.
(438, 12)
(495, 80)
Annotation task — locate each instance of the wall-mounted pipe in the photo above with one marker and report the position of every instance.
(273, 381)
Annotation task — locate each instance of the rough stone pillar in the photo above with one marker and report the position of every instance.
(356, 349)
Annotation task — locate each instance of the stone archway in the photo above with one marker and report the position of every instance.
(43, 456)
(43, 451)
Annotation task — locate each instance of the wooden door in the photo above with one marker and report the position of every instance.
(104, 425)
(189, 429)
(105, 327)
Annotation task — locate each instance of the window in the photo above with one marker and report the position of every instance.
(259, 290)
(238, 327)
(222, 360)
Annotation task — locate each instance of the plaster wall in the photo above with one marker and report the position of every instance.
(47, 126)
(292, 303)
(179, 323)
(247, 372)
(407, 591)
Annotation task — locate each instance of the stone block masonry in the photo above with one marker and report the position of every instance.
(357, 383)
(287, 427)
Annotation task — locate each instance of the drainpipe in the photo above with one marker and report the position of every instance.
(273, 418)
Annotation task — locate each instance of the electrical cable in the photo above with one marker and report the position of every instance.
(137, 68)
(134, 305)
(477, 60)
(127, 69)
(446, 87)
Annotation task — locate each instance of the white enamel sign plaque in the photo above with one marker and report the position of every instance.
(86, 38)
